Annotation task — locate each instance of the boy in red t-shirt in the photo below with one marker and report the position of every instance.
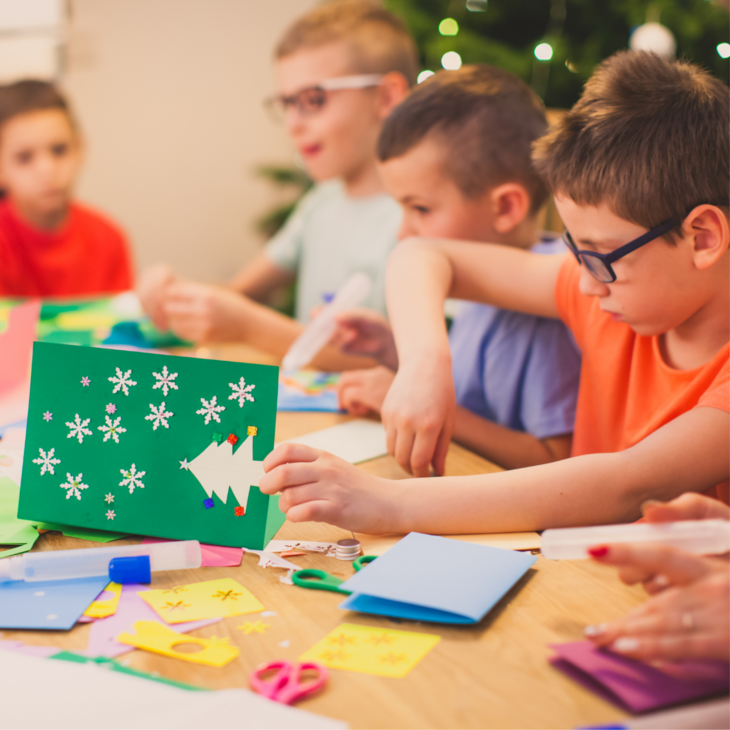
(639, 170)
(49, 245)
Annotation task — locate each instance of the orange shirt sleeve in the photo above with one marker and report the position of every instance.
(718, 394)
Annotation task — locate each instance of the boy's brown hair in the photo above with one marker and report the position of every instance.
(378, 40)
(25, 97)
(649, 137)
(487, 120)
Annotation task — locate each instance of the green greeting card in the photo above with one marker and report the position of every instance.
(150, 444)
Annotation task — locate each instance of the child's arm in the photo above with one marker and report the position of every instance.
(419, 410)
(259, 278)
(363, 391)
(205, 313)
(690, 453)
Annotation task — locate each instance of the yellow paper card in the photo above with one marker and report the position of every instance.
(155, 637)
(195, 601)
(372, 650)
(107, 606)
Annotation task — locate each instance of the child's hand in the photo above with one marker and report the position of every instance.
(364, 332)
(363, 391)
(688, 620)
(203, 313)
(317, 486)
(151, 288)
(418, 414)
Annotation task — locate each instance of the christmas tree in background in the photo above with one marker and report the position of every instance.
(554, 45)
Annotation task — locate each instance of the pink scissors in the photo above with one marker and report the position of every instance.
(285, 686)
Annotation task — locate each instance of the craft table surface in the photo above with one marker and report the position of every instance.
(491, 675)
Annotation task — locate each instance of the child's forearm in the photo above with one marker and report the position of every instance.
(689, 454)
(505, 447)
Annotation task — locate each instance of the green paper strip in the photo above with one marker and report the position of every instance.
(13, 531)
(81, 533)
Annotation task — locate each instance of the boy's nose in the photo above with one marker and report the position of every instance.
(591, 287)
(406, 229)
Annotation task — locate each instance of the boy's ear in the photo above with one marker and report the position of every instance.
(707, 228)
(393, 88)
(511, 205)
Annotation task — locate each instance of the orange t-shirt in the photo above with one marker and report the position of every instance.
(626, 389)
(87, 256)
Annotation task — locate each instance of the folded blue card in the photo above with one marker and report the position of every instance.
(53, 604)
(429, 578)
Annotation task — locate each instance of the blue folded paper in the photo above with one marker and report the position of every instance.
(429, 578)
(55, 604)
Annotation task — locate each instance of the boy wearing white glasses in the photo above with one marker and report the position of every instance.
(341, 69)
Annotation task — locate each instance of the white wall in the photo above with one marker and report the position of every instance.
(169, 96)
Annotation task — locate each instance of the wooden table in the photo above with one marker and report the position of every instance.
(492, 675)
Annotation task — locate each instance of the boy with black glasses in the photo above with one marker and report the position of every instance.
(341, 69)
(648, 143)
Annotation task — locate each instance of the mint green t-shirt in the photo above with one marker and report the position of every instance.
(329, 237)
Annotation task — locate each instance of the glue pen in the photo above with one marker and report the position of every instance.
(67, 564)
(701, 537)
(320, 330)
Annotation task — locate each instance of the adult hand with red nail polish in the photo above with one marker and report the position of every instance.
(687, 620)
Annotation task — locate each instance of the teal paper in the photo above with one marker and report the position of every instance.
(430, 578)
(167, 500)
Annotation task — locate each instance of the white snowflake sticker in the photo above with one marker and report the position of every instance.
(159, 416)
(110, 514)
(46, 461)
(112, 429)
(73, 486)
(122, 381)
(241, 392)
(165, 381)
(132, 478)
(78, 428)
(210, 410)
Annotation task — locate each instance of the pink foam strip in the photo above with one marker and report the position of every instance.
(214, 556)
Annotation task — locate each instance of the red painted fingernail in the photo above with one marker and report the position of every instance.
(599, 551)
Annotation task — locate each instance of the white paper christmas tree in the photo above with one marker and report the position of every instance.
(218, 468)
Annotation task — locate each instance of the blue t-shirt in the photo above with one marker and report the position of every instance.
(515, 369)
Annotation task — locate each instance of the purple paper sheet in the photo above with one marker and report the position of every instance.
(131, 609)
(634, 685)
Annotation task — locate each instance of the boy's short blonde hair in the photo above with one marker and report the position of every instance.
(379, 41)
(649, 137)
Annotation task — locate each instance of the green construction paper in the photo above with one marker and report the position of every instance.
(171, 502)
(13, 531)
(81, 533)
(69, 656)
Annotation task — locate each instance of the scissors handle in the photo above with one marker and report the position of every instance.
(362, 561)
(318, 580)
(285, 686)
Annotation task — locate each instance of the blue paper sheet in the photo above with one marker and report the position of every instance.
(429, 578)
(55, 604)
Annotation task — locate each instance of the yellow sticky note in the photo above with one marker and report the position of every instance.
(372, 650)
(155, 637)
(195, 601)
(107, 606)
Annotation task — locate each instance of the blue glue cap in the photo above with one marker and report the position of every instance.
(134, 569)
(328, 296)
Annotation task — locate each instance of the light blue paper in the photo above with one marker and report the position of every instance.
(53, 604)
(429, 578)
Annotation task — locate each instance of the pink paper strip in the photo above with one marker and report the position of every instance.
(17, 344)
(19, 647)
(214, 556)
(131, 609)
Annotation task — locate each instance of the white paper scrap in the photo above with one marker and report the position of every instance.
(355, 441)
